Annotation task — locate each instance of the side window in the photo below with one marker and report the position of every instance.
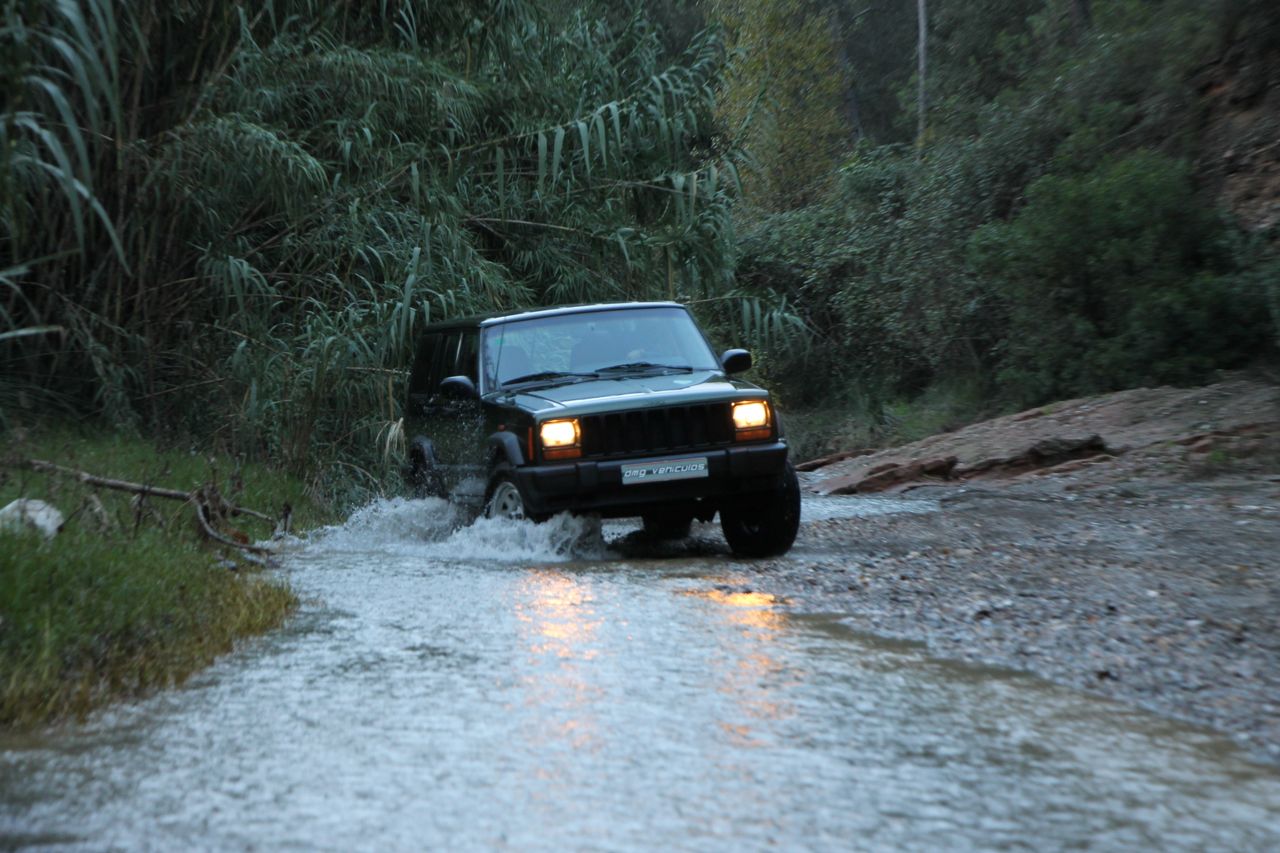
(492, 345)
(420, 378)
(446, 359)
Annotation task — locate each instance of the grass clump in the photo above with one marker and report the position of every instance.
(944, 406)
(127, 598)
(88, 618)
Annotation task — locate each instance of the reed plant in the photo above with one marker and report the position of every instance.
(232, 219)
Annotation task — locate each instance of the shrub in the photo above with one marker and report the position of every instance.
(1116, 277)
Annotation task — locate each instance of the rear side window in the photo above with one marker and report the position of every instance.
(468, 357)
(441, 355)
(422, 379)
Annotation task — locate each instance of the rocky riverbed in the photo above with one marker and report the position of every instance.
(1166, 597)
(1150, 574)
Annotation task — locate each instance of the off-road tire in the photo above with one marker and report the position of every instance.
(764, 525)
(503, 498)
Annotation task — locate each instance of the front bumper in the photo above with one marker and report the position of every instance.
(595, 485)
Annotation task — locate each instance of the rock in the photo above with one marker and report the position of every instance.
(1046, 453)
(28, 514)
(831, 459)
(1052, 450)
(892, 474)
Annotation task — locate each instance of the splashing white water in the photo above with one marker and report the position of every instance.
(436, 529)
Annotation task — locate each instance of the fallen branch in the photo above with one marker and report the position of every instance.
(202, 516)
(135, 488)
(105, 482)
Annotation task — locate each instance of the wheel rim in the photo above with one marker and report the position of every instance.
(506, 502)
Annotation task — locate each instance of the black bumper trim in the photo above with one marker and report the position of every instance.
(596, 485)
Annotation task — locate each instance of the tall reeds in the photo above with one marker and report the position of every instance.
(232, 218)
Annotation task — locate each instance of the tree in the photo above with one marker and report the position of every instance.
(785, 96)
(265, 208)
(922, 29)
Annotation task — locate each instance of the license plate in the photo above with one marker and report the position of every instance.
(664, 470)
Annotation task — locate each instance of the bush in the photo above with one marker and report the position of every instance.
(1116, 277)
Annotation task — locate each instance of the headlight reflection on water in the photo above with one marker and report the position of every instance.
(751, 674)
(559, 630)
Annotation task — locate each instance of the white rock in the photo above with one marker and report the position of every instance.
(29, 514)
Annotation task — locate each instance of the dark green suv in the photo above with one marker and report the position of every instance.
(622, 410)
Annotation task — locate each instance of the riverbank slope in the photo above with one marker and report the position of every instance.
(132, 594)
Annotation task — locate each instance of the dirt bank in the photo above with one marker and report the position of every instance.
(1145, 567)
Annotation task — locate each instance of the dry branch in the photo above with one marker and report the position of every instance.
(105, 482)
(202, 516)
(135, 488)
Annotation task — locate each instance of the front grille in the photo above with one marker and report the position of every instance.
(677, 428)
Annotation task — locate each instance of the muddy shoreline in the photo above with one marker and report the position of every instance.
(1161, 594)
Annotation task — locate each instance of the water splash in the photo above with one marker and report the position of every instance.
(436, 529)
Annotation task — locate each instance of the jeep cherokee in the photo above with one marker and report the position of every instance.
(622, 410)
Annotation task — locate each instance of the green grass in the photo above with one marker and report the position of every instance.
(94, 615)
(942, 407)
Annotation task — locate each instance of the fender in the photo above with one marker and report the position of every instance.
(505, 447)
(424, 473)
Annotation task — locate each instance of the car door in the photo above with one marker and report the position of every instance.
(453, 425)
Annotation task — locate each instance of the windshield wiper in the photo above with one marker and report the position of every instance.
(636, 366)
(545, 375)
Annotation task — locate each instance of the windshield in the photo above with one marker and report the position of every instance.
(571, 346)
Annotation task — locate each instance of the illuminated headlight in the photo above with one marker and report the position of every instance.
(560, 438)
(752, 420)
(752, 415)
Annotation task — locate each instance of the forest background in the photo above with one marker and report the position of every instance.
(223, 222)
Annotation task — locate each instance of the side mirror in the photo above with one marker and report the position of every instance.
(459, 388)
(735, 360)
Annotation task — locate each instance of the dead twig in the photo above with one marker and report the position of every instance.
(202, 508)
(134, 488)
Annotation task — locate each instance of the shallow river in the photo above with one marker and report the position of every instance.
(506, 686)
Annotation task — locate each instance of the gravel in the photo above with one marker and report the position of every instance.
(1163, 595)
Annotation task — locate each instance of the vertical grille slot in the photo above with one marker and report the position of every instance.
(671, 429)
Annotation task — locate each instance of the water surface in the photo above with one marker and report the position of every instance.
(512, 686)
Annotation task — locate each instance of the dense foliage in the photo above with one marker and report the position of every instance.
(230, 218)
(1054, 232)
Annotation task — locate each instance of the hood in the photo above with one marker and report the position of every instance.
(636, 392)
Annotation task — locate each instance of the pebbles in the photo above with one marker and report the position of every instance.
(1158, 600)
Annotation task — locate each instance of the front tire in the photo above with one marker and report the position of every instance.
(503, 498)
(764, 525)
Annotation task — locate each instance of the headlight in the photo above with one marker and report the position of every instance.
(751, 420)
(749, 415)
(560, 439)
